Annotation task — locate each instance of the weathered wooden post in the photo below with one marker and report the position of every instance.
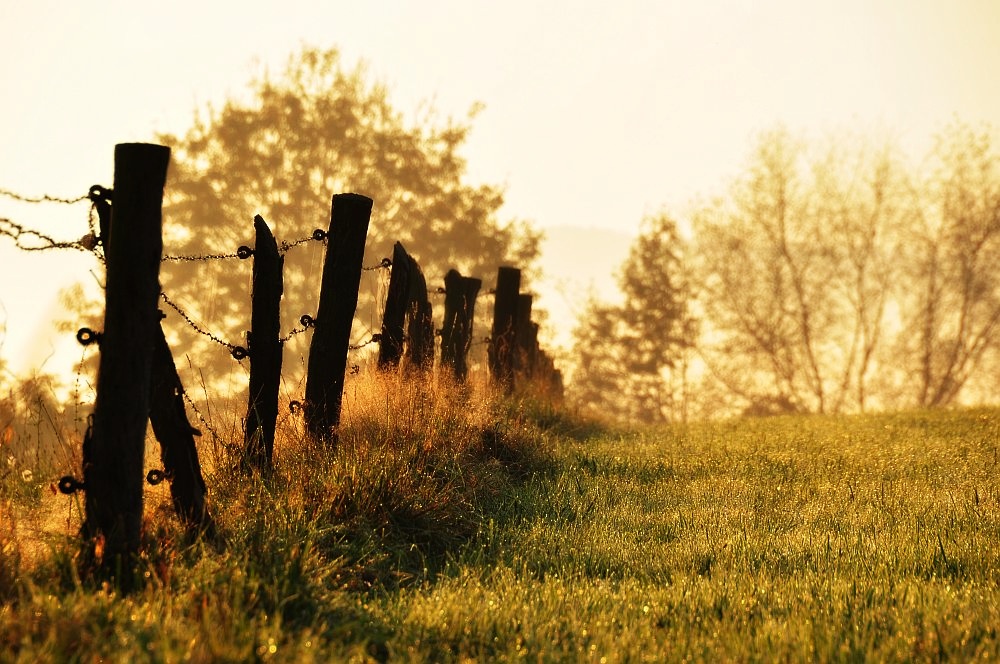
(524, 339)
(459, 310)
(114, 447)
(420, 351)
(265, 349)
(502, 338)
(338, 301)
(397, 301)
(176, 435)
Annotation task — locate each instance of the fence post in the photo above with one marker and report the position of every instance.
(502, 339)
(397, 300)
(114, 446)
(338, 301)
(459, 308)
(265, 349)
(420, 352)
(176, 435)
(525, 337)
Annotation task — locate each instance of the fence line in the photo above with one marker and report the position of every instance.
(135, 356)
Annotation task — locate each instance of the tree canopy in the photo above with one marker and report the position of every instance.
(827, 278)
(296, 139)
(631, 358)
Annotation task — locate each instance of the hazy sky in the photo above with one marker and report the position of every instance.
(595, 113)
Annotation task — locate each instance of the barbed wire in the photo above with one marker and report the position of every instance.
(307, 322)
(195, 258)
(375, 338)
(21, 234)
(384, 264)
(238, 352)
(45, 198)
(201, 418)
(244, 251)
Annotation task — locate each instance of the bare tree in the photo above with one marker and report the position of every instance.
(951, 301)
(795, 268)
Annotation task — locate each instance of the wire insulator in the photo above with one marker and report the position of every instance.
(69, 485)
(240, 353)
(319, 234)
(294, 406)
(307, 320)
(87, 336)
(155, 476)
(244, 252)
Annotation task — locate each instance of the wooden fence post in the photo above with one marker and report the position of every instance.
(459, 309)
(525, 337)
(176, 435)
(501, 355)
(397, 300)
(338, 301)
(265, 349)
(420, 351)
(114, 446)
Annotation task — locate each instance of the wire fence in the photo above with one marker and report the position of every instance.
(30, 239)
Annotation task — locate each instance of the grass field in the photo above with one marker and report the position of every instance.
(460, 528)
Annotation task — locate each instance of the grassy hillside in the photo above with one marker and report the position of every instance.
(451, 526)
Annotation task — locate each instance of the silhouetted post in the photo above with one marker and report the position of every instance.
(338, 300)
(113, 448)
(502, 339)
(265, 349)
(524, 341)
(397, 301)
(420, 351)
(176, 435)
(459, 309)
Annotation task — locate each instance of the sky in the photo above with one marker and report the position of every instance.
(594, 114)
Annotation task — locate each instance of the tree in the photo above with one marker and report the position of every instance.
(634, 357)
(951, 303)
(795, 267)
(317, 130)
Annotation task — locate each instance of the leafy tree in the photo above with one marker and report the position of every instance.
(316, 130)
(633, 358)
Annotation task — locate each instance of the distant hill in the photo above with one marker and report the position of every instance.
(576, 261)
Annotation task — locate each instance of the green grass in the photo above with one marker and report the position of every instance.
(450, 527)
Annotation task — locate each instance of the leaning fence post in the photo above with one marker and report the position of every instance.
(114, 446)
(459, 309)
(176, 435)
(397, 300)
(502, 338)
(265, 349)
(338, 301)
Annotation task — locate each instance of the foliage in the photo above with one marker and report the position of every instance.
(951, 308)
(319, 129)
(827, 278)
(791, 538)
(796, 266)
(632, 358)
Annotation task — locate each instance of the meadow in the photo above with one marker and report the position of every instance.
(452, 525)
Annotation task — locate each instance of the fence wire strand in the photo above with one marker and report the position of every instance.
(45, 198)
(28, 239)
(233, 348)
